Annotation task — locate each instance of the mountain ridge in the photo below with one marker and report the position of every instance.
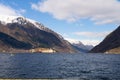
(36, 34)
(81, 47)
(110, 42)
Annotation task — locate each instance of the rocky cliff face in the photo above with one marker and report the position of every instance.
(110, 44)
(19, 33)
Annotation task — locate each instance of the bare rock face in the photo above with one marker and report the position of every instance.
(110, 44)
(21, 34)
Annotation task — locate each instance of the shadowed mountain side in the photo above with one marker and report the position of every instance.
(23, 34)
(10, 41)
(110, 42)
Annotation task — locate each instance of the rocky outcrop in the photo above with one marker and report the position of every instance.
(110, 44)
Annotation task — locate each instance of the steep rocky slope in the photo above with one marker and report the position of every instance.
(19, 33)
(110, 44)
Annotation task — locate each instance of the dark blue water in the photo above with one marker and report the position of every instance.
(75, 66)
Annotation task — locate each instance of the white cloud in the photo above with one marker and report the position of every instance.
(92, 34)
(84, 41)
(99, 11)
(72, 40)
(7, 10)
(90, 42)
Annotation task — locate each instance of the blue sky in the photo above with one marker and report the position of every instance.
(88, 21)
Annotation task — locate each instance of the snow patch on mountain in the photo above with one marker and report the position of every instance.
(20, 20)
(4, 19)
(7, 19)
(80, 45)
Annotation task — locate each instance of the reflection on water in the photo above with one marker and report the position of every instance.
(80, 66)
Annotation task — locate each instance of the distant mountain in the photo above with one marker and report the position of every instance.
(81, 47)
(22, 34)
(111, 44)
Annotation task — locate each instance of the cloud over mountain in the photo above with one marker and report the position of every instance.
(98, 11)
(7, 10)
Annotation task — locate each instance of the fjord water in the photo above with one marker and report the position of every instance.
(77, 66)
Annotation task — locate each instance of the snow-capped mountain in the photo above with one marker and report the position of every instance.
(7, 19)
(21, 20)
(17, 32)
(81, 47)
